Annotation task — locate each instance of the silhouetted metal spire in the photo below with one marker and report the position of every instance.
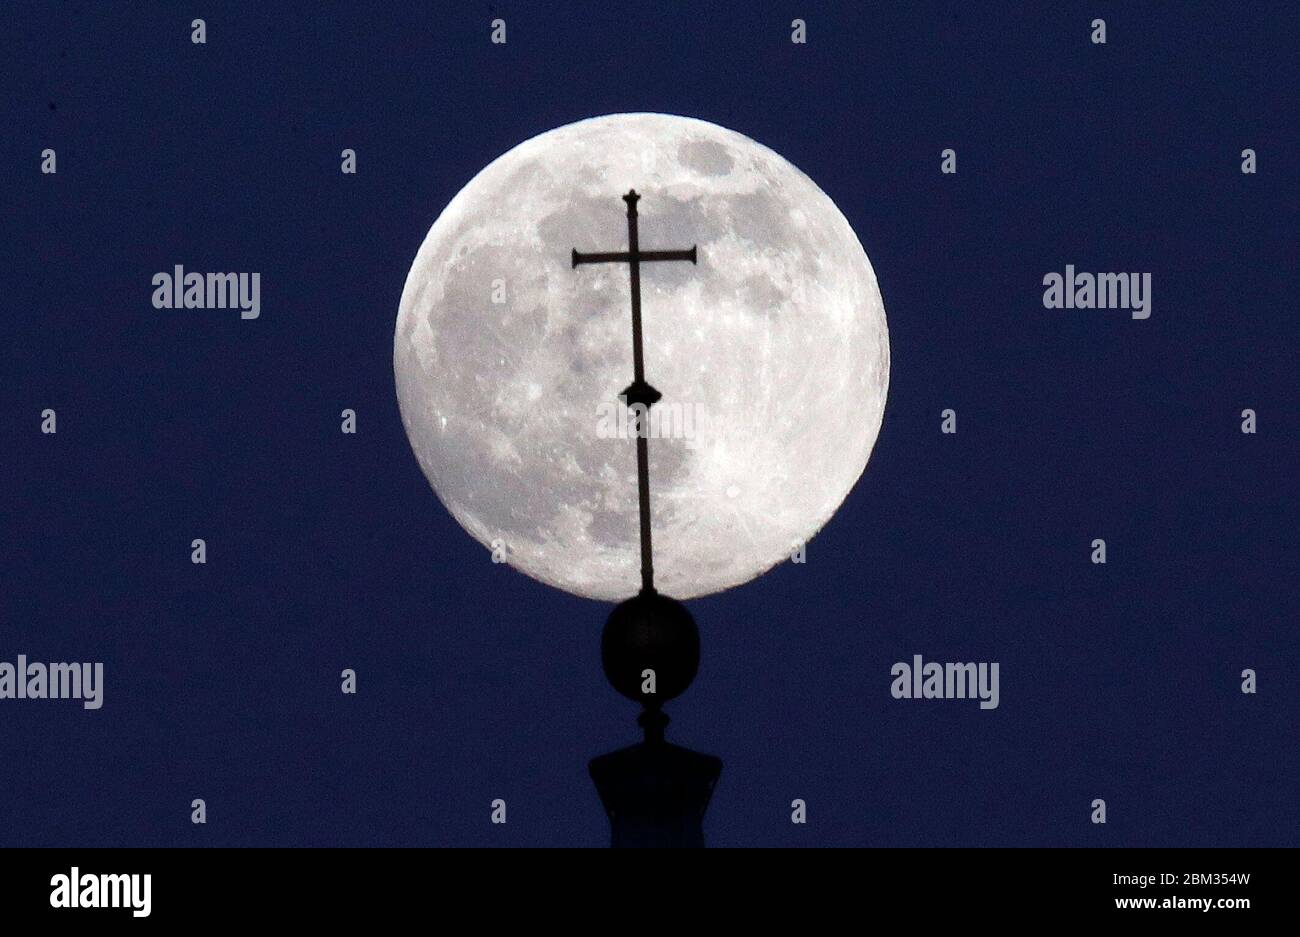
(654, 793)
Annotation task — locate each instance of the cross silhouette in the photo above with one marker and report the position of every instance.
(639, 391)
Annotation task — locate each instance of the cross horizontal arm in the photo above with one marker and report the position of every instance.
(625, 257)
(612, 257)
(667, 255)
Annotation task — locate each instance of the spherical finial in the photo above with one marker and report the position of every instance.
(650, 632)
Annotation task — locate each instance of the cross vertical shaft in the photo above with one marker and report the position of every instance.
(634, 269)
(638, 377)
(639, 394)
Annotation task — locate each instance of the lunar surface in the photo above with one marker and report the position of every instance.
(772, 355)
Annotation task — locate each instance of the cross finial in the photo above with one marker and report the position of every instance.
(640, 391)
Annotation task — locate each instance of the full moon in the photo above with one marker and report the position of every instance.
(772, 355)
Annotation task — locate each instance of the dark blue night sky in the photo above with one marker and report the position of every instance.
(328, 551)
